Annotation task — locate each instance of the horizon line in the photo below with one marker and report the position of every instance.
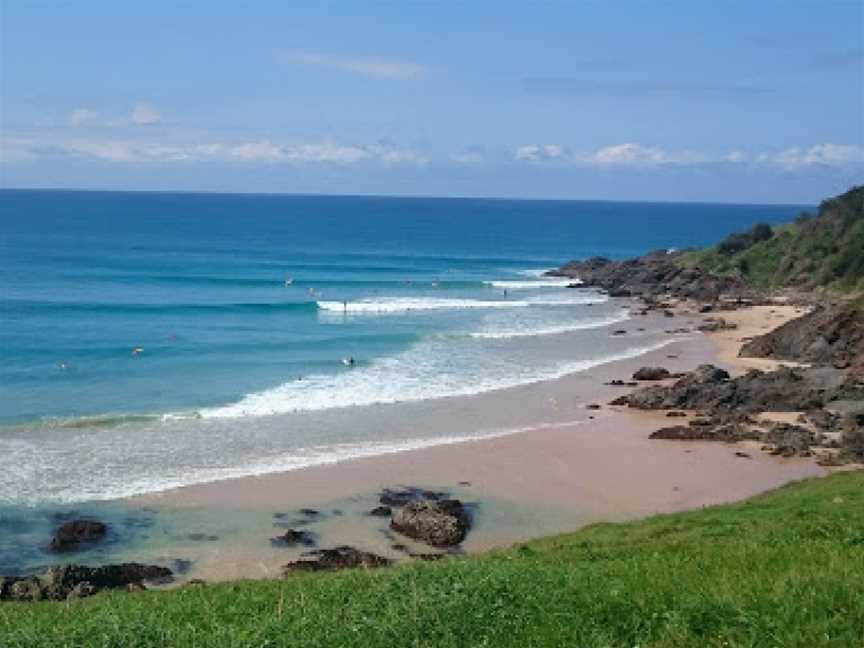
(299, 194)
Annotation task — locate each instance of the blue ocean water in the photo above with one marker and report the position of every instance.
(134, 319)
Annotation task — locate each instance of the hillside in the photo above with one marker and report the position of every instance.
(821, 251)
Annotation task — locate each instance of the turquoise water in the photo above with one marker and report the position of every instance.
(243, 307)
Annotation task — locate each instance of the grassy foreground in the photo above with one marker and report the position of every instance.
(783, 569)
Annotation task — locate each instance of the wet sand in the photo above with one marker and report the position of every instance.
(599, 465)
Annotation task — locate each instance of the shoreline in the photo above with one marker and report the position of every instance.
(546, 479)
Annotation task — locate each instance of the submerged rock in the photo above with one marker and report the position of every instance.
(70, 535)
(292, 537)
(440, 523)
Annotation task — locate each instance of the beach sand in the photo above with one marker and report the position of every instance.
(598, 466)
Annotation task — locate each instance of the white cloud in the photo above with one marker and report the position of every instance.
(83, 117)
(538, 152)
(826, 155)
(145, 114)
(371, 67)
(262, 151)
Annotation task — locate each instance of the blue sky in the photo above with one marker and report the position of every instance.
(697, 100)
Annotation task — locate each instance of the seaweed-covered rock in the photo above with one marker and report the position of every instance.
(790, 440)
(336, 558)
(440, 523)
(76, 581)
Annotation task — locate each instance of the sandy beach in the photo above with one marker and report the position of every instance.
(547, 479)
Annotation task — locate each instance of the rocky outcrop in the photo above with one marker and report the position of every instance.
(710, 389)
(77, 581)
(832, 335)
(440, 523)
(657, 273)
(336, 558)
(70, 535)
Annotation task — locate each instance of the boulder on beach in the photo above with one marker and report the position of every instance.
(651, 373)
(70, 535)
(293, 537)
(440, 523)
(790, 440)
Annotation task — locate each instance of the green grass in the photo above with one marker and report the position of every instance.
(784, 569)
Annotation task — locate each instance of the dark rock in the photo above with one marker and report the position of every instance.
(650, 276)
(292, 537)
(651, 373)
(336, 558)
(76, 581)
(619, 332)
(621, 383)
(401, 496)
(727, 433)
(70, 535)
(308, 512)
(710, 389)
(202, 537)
(832, 335)
(743, 455)
(381, 511)
(440, 523)
(675, 413)
(592, 406)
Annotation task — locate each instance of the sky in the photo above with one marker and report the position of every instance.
(696, 100)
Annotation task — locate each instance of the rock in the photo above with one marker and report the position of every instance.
(651, 373)
(292, 537)
(401, 496)
(652, 276)
(675, 413)
(619, 332)
(713, 324)
(832, 335)
(381, 511)
(337, 558)
(790, 440)
(710, 389)
(592, 406)
(76, 581)
(727, 433)
(743, 455)
(621, 383)
(70, 535)
(440, 523)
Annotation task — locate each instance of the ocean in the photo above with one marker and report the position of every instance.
(153, 340)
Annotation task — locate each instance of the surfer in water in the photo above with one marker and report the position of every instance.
(348, 361)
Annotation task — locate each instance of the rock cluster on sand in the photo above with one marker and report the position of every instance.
(77, 581)
(336, 558)
(70, 535)
(710, 388)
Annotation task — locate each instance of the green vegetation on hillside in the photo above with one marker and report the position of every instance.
(783, 569)
(826, 250)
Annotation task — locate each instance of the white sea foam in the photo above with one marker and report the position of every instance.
(387, 305)
(421, 373)
(536, 330)
(550, 282)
